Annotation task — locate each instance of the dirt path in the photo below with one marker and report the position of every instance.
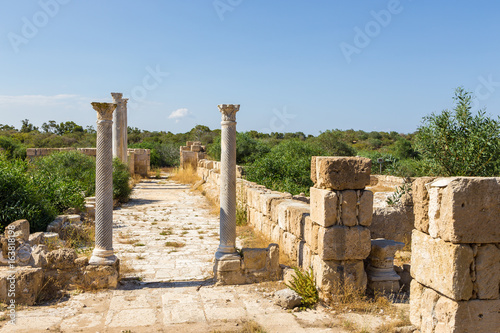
(168, 236)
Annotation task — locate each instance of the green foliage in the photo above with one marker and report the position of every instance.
(161, 155)
(50, 185)
(20, 196)
(333, 145)
(121, 178)
(458, 143)
(70, 166)
(286, 167)
(395, 198)
(248, 149)
(305, 285)
(12, 148)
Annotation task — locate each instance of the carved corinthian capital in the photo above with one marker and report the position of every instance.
(104, 110)
(116, 96)
(229, 111)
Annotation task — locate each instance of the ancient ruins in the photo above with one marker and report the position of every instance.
(453, 223)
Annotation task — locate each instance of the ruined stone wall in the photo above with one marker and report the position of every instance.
(456, 255)
(140, 164)
(330, 234)
(191, 153)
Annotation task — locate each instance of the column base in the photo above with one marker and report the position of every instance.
(103, 257)
(223, 255)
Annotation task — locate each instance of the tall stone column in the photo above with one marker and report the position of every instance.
(227, 248)
(103, 251)
(124, 129)
(120, 127)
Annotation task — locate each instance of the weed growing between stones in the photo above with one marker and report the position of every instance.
(174, 244)
(304, 284)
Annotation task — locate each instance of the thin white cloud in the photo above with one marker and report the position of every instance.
(179, 114)
(38, 100)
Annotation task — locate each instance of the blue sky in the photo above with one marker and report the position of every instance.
(293, 65)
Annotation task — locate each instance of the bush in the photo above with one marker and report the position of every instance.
(121, 177)
(20, 196)
(162, 155)
(12, 148)
(41, 190)
(248, 149)
(71, 166)
(286, 168)
(458, 143)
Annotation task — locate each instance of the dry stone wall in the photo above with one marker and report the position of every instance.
(191, 153)
(330, 234)
(456, 256)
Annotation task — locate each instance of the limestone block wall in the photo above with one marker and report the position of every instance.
(191, 153)
(140, 164)
(330, 234)
(456, 256)
(142, 161)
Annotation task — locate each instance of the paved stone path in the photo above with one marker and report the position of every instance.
(174, 291)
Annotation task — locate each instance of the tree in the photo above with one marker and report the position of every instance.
(27, 126)
(458, 143)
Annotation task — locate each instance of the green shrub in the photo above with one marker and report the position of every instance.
(12, 148)
(458, 143)
(161, 155)
(248, 149)
(20, 196)
(286, 168)
(71, 166)
(121, 177)
(305, 285)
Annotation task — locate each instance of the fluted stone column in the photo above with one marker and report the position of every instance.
(103, 251)
(227, 248)
(120, 127)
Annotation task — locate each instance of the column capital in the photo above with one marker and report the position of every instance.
(229, 111)
(117, 96)
(104, 110)
(124, 101)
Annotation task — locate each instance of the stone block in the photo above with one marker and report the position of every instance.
(61, 259)
(432, 312)
(442, 266)
(348, 199)
(227, 265)
(273, 260)
(275, 233)
(296, 218)
(283, 212)
(290, 245)
(394, 222)
(365, 208)
(19, 229)
(311, 230)
(332, 275)
(101, 276)
(304, 255)
(27, 283)
(462, 205)
(254, 259)
(265, 202)
(344, 243)
(342, 173)
(487, 263)
(324, 205)
(230, 277)
(421, 203)
(313, 170)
